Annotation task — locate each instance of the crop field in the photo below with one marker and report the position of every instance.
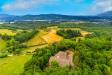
(52, 37)
(42, 39)
(37, 40)
(7, 31)
(84, 33)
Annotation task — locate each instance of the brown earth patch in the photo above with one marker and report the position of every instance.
(63, 58)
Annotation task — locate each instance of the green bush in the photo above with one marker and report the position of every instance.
(3, 55)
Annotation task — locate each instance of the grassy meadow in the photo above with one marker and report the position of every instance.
(13, 65)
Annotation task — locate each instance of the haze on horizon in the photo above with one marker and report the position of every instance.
(66, 7)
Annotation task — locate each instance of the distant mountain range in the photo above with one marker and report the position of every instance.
(108, 13)
(107, 16)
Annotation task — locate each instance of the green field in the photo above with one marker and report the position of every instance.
(2, 44)
(13, 65)
(7, 31)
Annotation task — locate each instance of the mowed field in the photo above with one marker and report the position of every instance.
(42, 39)
(37, 40)
(7, 31)
(52, 37)
(13, 65)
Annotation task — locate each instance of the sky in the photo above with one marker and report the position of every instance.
(66, 7)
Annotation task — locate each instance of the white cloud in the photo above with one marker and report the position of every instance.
(101, 6)
(25, 4)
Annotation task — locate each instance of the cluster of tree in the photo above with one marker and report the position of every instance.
(95, 58)
(68, 34)
(25, 35)
(14, 46)
(3, 55)
(5, 37)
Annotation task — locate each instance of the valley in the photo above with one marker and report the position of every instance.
(77, 44)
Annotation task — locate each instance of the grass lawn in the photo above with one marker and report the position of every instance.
(2, 44)
(13, 65)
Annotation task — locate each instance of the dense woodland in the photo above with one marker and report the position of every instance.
(93, 55)
(68, 34)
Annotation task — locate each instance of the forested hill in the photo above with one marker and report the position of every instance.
(52, 17)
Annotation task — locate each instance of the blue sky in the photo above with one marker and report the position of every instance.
(67, 7)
